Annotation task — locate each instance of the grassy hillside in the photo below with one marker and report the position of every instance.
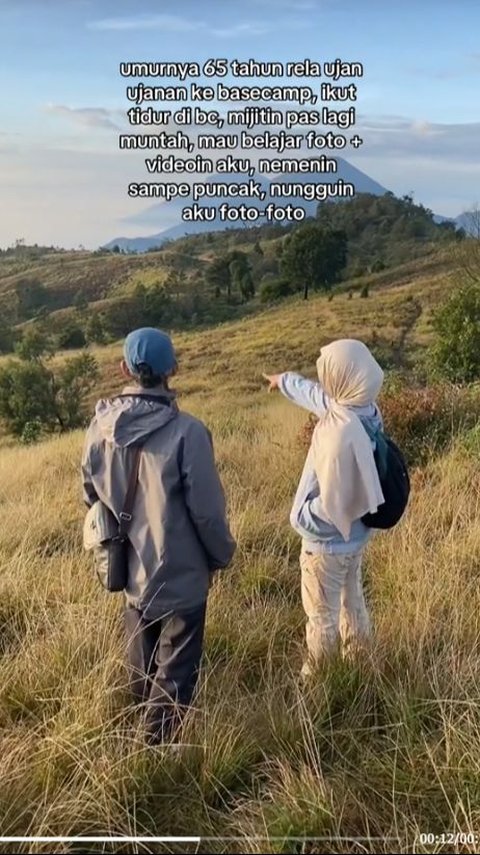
(103, 274)
(229, 359)
(58, 290)
(190, 282)
(387, 747)
(96, 275)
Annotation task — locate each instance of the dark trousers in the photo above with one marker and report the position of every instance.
(164, 659)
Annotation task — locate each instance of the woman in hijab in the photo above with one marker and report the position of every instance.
(339, 484)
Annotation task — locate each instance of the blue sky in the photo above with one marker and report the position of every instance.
(62, 178)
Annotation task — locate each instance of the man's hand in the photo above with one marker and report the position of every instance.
(273, 380)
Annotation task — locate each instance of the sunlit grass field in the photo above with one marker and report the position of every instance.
(387, 747)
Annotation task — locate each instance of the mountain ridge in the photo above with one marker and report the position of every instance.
(346, 172)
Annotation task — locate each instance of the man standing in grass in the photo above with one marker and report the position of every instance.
(179, 535)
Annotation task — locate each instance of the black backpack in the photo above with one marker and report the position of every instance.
(394, 479)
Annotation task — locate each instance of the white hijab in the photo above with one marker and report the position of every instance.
(342, 452)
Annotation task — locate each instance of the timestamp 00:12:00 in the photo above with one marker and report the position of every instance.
(452, 838)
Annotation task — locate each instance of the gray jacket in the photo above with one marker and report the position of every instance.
(179, 531)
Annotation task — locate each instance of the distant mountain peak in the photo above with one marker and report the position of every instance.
(172, 211)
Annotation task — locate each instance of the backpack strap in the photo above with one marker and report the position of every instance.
(372, 431)
(378, 436)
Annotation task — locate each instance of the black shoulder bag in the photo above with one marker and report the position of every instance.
(107, 539)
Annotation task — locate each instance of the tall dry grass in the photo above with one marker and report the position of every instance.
(387, 747)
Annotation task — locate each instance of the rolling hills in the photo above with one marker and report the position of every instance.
(190, 282)
(171, 211)
(384, 749)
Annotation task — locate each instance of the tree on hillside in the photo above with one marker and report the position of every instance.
(80, 302)
(26, 395)
(274, 288)
(121, 316)
(31, 296)
(241, 276)
(33, 395)
(218, 275)
(6, 337)
(95, 329)
(385, 227)
(313, 257)
(147, 306)
(157, 304)
(34, 345)
(70, 336)
(247, 286)
(71, 385)
(174, 282)
(228, 271)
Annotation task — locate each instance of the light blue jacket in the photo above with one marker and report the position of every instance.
(307, 516)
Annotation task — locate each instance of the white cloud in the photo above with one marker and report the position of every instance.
(74, 190)
(454, 144)
(177, 24)
(290, 5)
(465, 66)
(90, 117)
(423, 128)
(171, 23)
(254, 29)
(64, 196)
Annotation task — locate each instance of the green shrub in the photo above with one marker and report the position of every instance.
(455, 355)
(423, 421)
(71, 337)
(73, 382)
(31, 394)
(31, 432)
(6, 337)
(26, 395)
(34, 344)
(95, 329)
(470, 441)
(274, 289)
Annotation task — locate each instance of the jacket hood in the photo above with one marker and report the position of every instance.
(131, 417)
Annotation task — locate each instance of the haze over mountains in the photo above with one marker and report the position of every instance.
(168, 212)
(172, 211)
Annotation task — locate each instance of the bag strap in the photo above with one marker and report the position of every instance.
(380, 438)
(370, 430)
(126, 512)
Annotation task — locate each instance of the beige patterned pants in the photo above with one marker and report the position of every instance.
(334, 603)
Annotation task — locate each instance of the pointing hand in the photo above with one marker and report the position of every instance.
(273, 380)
